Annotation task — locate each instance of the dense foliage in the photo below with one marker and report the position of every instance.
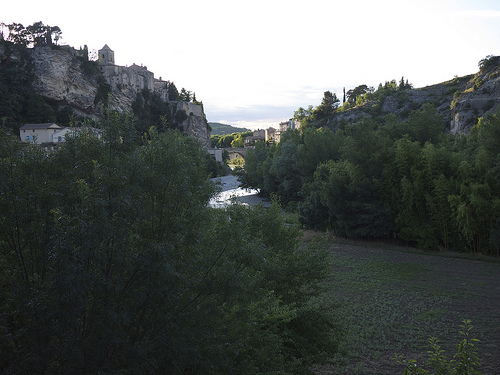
(112, 262)
(230, 140)
(151, 110)
(405, 179)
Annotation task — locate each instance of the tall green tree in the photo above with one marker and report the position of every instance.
(328, 105)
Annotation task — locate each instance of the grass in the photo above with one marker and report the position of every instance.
(392, 301)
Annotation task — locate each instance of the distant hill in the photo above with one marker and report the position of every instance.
(223, 129)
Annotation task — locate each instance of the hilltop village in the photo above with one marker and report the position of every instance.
(134, 76)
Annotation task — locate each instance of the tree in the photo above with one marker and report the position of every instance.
(328, 105)
(239, 139)
(36, 34)
(172, 92)
(343, 199)
(303, 116)
(55, 33)
(358, 91)
(284, 166)
(185, 95)
(488, 62)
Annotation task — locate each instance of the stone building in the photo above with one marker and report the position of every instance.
(269, 133)
(132, 77)
(284, 126)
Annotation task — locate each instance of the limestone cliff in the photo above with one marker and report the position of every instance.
(60, 78)
(480, 96)
(196, 124)
(402, 103)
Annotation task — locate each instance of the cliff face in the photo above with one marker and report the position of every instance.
(196, 124)
(480, 96)
(60, 78)
(63, 78)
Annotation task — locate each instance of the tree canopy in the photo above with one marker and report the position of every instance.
(390, 179)
(112, 261)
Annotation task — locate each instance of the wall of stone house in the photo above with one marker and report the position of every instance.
(140, 77)
(128, 77)
(193, 108)
(160, 87)
(261, 133)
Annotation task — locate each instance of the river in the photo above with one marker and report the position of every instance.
(231, 190)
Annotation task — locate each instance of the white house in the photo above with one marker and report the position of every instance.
(39, 133)
(52, 133)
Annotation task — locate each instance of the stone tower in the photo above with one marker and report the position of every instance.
(106, 56)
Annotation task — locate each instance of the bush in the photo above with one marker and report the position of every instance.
(466, 361)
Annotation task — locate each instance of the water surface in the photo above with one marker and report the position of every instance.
(231, 191)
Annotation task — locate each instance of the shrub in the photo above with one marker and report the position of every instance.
(466, 361)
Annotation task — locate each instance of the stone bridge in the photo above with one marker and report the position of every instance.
(237, 152)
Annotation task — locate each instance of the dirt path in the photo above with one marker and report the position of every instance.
(393, 299)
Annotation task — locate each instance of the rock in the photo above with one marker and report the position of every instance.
(390, 105)
(60, 79)
(196, 124)
(481, 96)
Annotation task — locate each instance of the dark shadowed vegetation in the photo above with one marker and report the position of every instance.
(112, 262)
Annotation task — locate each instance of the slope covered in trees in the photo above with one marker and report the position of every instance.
(112, 262)
(460, 101)
(390, 179)
(223, 129)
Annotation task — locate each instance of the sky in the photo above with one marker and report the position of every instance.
(253, 63)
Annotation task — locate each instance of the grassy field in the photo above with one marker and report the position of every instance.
(392, 299)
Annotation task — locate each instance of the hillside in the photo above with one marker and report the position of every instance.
(50, 83)
(223, 129)
(460, 101)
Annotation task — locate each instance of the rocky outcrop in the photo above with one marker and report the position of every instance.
(480, 96)
(196, 124)
(460, 101)
(440, 95)
(60, 78)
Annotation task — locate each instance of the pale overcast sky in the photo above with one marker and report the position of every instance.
(254, 63)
